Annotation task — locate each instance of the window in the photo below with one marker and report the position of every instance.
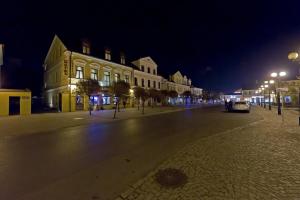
(154, 72)
(106, 81)
(127, 78)
(148, 70)
(149, 83)
(79, 72)
(158, 85)
(106, 100)
(143, 83)
(143, 68)
(117, 77)
(154, 84)
(94, 74)
(135, 81)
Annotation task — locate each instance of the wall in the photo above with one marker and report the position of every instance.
(25, 102)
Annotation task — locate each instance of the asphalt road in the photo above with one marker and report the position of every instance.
(99, 161)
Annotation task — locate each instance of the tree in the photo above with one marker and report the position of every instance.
(186, 94)
(88, 87)
(141, 94)
(173, 94)
(153, 94)
(120, 90)
(164, 94)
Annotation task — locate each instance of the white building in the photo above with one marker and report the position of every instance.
(145, 74)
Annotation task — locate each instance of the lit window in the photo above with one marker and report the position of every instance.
(94, 74)
(79, 72)
(106, 80)
(117, 77)
(106, 100)
(127, 78)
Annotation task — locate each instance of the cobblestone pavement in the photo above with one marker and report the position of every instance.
(257, 161)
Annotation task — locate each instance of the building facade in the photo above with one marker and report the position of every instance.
(145, 74)
(64, 68)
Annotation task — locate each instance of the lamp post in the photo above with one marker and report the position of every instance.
(277, 76)
(267, 87)
(294, 56)
(270, 82)
(264, 92)
(263, 104)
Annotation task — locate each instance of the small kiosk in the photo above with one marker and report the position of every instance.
(15, 102)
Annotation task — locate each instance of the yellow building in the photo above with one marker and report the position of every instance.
(63, 69)
(15, 102)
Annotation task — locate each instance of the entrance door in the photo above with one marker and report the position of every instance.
(14, 105)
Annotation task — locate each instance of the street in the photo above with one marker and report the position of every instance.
(99, 161)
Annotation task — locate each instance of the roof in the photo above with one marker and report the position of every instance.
(14, 90)
(75, 45)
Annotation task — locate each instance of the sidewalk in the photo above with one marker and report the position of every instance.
(258, 161)
(37, 123)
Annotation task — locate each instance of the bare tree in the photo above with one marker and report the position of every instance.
(141, 94)
(120, 90)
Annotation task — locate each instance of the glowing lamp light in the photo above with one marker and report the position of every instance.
(266, 81)
(266, 86)
(131, 91)
(282, 73)
(274, 74)
(262, 86)
(293, 55)
(272, 81)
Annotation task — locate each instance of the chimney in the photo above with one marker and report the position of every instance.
(107, 54)
(86, 46)
(122, 56)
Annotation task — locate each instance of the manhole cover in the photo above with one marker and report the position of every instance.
(171, 178)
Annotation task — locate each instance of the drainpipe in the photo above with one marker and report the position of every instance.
(70, 88)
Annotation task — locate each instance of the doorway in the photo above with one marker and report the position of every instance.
(14, 105)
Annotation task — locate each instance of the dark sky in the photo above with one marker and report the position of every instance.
(221, 45)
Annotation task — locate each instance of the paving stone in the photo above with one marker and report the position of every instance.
(257, 161)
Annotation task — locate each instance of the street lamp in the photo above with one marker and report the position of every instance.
(267, 87)
(278, 76)
(294, 56)
(270, 82)
(263, 92)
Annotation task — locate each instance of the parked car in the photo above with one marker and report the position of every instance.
(241, 106)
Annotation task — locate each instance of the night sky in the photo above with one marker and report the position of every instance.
(220, 45)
